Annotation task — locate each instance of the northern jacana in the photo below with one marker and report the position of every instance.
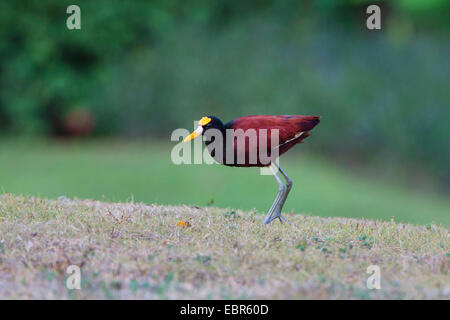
(256, 141)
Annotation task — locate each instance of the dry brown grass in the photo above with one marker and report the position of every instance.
(129, 250)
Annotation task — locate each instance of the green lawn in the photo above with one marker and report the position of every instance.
(143, 171)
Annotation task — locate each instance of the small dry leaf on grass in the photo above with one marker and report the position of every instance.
(183, 224)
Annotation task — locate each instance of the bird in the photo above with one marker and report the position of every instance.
(256, 141)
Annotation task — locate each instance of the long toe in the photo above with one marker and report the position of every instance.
(267, 220)
(281, 217)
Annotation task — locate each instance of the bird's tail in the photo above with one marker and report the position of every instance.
(306, 124)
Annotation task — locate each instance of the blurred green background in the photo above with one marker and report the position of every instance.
(89, 113)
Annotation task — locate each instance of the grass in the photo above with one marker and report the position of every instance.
(142, 171)
(132, 250)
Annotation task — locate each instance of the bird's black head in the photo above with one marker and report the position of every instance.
(204, 124)
(211, 122)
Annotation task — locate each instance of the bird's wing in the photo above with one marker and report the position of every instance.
(290, 127)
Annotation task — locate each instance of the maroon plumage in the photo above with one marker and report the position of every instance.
(292, 129)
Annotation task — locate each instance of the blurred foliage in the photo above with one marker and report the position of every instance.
(145, 68)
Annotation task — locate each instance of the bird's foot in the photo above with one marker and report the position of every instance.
(269, 219)
(283, 218)
(275, 216)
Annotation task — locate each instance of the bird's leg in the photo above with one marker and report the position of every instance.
(285, 195)
(282, 190)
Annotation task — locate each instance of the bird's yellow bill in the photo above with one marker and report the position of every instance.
(191, 136)
(194, 134)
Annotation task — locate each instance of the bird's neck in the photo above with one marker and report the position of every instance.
(212, 144)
